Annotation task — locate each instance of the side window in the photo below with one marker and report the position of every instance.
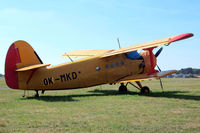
(106, 66)
(122, 62)
(117, 64)
(111, 65)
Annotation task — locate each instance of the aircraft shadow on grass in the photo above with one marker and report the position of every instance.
(70, 98)
(97, 92)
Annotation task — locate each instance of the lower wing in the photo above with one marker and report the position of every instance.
(141, 77)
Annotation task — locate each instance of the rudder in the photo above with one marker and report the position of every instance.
(19, 55)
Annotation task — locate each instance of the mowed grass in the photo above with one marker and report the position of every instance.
(102, 109)
(2, 83)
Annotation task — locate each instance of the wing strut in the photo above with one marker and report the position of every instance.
(118, 43)
(70, 58)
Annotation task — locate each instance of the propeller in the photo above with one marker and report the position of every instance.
(158, 52)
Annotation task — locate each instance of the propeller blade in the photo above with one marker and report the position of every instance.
(159, 51)
(158, 68)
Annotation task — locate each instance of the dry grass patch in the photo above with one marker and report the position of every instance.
(3, 123)
(2, 100)
(191, 125)
(179, 111)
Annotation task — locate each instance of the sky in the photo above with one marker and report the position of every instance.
(54, 27)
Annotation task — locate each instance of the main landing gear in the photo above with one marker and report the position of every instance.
(143, 89)
(123, 88)
(37, 93)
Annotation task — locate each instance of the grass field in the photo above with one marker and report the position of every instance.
(103, 109)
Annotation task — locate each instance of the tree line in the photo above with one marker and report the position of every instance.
(189, 71)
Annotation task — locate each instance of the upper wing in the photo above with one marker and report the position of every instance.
(141, 77)
(106, 52)
(146, 45)
(85, 53)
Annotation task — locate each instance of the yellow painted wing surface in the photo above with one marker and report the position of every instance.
(85, 53)
(141, 77)
(109, 52)
(146, 45)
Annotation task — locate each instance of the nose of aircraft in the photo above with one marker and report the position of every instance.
(146, 56)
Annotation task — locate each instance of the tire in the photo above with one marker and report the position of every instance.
(145, 90)
(123, 89)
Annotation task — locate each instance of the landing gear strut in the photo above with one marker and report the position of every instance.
(36, 94)
(43, 91)
(122, 88)
(142, 89)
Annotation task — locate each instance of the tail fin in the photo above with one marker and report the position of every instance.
(19, 55)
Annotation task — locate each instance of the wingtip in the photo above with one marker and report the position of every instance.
(181, 37)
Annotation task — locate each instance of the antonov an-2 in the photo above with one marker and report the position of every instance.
(24, 70)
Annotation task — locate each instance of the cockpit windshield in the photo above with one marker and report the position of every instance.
(134, 55)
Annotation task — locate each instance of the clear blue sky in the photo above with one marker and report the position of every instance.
(54, 27)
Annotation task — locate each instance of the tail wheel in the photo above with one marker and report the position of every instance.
(123, 88)
(145, 90)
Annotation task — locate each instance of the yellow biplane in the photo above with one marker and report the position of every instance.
(24, 69)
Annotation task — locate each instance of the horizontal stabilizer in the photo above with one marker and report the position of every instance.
(31, 67)
(141, 77)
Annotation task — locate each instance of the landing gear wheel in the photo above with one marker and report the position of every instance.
(122, 88)
(145, 90)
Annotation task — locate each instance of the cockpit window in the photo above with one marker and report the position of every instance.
(133, 55)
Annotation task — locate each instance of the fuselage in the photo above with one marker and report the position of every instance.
(84, 73)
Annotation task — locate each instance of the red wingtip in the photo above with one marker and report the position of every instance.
(180, 37)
